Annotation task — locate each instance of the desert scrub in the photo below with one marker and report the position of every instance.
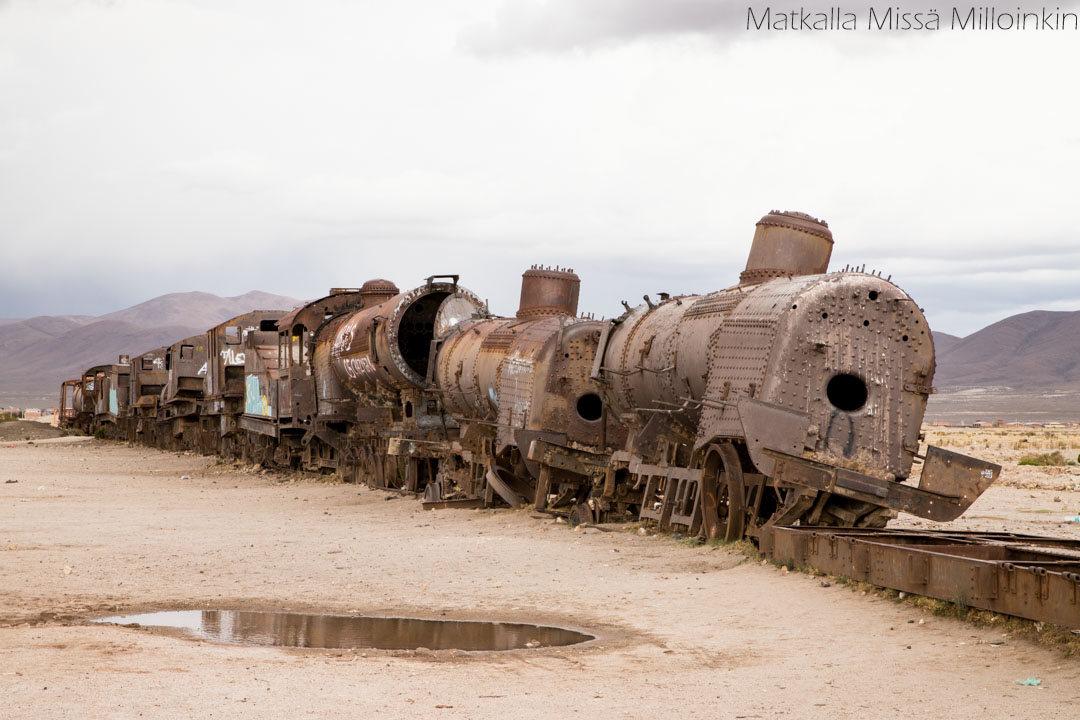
(1054, 458)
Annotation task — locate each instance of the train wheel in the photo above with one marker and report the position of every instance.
(723, 506)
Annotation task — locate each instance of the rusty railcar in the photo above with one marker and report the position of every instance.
(265, 393)
(185, 386)
(147, 380)
(226, 386)
(317, 410)
(99, 401)
(383, 356)
(795, 396)
(91, 396)
(511, 381)
(71, 401)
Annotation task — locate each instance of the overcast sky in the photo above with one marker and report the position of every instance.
(155, 146)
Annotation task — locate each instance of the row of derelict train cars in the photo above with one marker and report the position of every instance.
(794, 397)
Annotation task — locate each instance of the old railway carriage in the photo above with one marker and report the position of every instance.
(180, 398)
(316, 411)
(227, 426)
(94, 403)
(383, 356)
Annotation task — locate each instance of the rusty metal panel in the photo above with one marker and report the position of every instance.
(498, 341)
(796, 471)
(186, 365)
(740, 354)
(776, 427)
(948, 473)
(329, 387)
(857, 329)
(515, 396)
(467, 371)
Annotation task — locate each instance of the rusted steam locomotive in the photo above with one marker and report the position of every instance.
(793, 397)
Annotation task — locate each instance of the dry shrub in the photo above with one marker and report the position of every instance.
(1054, 458)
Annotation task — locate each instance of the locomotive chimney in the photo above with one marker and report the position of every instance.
(377, 291)
(787, 243)
(548, 291)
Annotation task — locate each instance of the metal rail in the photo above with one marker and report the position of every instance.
(1023, 575)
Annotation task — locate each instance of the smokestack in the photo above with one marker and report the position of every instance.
(787, 243)
(548, 291)
(377, 291)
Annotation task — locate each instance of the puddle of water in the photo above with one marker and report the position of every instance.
(347, 631)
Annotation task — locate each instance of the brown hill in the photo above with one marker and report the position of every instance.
(37, 354)
(67, 355)
(943, 342)
(1037, 350)
(198, 309)
(20, 333)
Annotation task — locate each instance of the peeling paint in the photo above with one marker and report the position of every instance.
(255, 401)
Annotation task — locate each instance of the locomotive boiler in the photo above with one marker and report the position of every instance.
(510, 381)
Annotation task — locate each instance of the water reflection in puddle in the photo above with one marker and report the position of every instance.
(346, 631)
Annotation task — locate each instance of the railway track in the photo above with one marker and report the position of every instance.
(1027, 576)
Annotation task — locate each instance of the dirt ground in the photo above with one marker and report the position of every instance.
(1025, 499)
(95, 528)
(28, 430)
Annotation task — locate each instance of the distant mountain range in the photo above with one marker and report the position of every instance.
(1033, 351)
(37, 354)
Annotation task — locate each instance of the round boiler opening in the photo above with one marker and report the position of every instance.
(590, 407)
(847, 392)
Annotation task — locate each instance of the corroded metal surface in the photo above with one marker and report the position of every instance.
(186, 366)
(387, 347)
(787, 244)
(548, 291)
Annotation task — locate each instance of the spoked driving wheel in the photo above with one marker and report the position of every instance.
(723, 505)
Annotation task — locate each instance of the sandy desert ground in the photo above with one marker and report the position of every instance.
(94, 528)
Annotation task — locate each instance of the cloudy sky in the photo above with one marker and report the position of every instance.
(152, 146)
